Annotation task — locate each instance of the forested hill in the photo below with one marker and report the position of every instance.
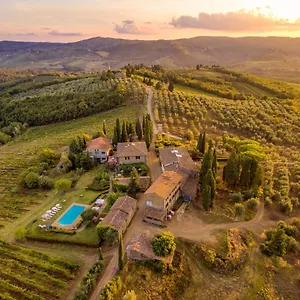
(266, 56)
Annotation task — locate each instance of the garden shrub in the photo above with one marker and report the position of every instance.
(164, 244)
(253, 203)
(239, 209)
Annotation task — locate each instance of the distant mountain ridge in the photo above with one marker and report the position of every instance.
(254, 54)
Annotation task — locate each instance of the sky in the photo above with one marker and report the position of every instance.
(73, 20)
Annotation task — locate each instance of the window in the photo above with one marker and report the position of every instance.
(103, 152)
(127, 158)
(138, 157)
(148, 203)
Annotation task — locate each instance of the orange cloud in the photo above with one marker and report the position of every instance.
(247, 21)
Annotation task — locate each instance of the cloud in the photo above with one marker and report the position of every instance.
(242, 20)
(129, 27)
(25, 34)
(58, 33)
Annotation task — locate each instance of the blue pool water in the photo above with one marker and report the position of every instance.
(71, 215)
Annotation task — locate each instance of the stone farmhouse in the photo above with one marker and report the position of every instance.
(132, 153)
(140, 248)
(180, 161)
(161, 196)
(98, 149)
(121, 214)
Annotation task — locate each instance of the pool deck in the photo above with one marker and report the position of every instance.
(73, 225)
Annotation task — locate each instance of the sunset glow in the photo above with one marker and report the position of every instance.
(71, 20)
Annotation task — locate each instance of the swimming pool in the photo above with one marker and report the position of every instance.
(71, 215)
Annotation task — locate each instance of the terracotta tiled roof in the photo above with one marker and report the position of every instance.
(124, 204)
(142, 243)
(174, 159)
(115, 219)
(165, 184)
(99, 143)
(132, 149)
(119, 212)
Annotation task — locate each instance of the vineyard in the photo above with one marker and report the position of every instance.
(272, 121)
(27, 274)
(68, 100)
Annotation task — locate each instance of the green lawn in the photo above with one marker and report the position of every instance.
(77, 195)
(21, 153)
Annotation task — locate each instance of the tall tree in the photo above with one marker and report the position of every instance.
(206, 165)
(124, 136)
(144, 123)
(121, 253)
(206, 197)
(245, 176)
(147, 133)
(138, 129)
(199, 144)
(203, 143)
(150, 125)
(131, 129)
(231, 172)
(115, 137)
(104, 128)
(127, 128)
(214, 163)
(171, 86)
(118, 130)
(133, 186)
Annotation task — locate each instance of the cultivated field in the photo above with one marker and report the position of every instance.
(27, 274)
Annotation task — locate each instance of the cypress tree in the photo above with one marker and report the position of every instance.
(209, 183)
(206, 197)
(118, 130)
(214, 163)
(246, 172)
(206, 165)
(115, 137)
(203, 143)
(199, 145)
(138, 129)
(150, 126)
(144, 123)
(147, 135)
(104, 127)
(127, 128)
(121, 253)
(131, 129)
(231, 172)
(124, 136)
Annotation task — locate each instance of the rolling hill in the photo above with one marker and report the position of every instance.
(267, 56)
